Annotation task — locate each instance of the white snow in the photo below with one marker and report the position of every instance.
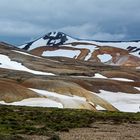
(38, 43)
(70, 39)
(40, 102)
(22, 46)
(54, 94)
(122, 79)
(53, 34)
(67, 101)
(5, 62)
(138, 88)
(62, 53)
(97, 75)
(123, 101)
(138, 68)
(105, 57)
(55, 41)
(90, 47)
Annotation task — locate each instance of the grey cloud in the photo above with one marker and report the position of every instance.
(18, 28)
(99, 19)
(108, 36)
(82, 31)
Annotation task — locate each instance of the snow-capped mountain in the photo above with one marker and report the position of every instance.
(50, 39)
(111, 52)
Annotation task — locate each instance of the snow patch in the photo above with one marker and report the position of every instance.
(122, 79)
(37, 43)
(90, 47)
(62, 53)
(138, 68)
(67, 101)
(138, 88)
(97, 75)
(5, 62)
(123, 101)
(38, 102)
(105, 57)
(54, 94)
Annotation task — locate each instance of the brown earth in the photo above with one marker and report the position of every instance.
(11, 92)
(120, 74)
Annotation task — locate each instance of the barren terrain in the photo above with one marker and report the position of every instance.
(104, 131)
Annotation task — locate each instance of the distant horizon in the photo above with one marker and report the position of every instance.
(15, 41)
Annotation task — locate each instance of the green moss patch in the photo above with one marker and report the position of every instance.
(46, 121)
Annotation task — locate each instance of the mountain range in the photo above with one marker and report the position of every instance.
(57, 70)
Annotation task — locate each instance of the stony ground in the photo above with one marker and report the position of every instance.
(104, 131)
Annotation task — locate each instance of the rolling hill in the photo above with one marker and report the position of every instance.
(58, 70)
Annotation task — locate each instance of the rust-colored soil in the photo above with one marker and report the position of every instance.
(11, 92)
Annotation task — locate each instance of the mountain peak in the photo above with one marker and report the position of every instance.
(55, 33)
(55, 38)
(49, 39)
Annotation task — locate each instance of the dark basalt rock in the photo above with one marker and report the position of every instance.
(28, 45)
(52, 39)
(55, 39)
(133, 49)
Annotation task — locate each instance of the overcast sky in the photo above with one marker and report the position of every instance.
(24, 20)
